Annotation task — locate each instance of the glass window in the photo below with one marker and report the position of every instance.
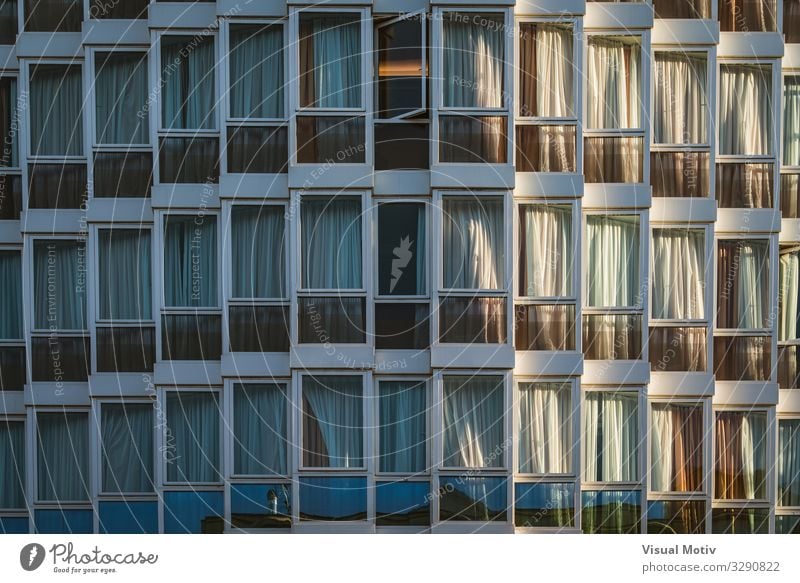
(333, 422)
(788, 295)
(121, 98)
(680, 98)
(473, 498)
(261, 505)
(331, 139)
(545, 505)
(745, 109)
(402, 503)
(473, 238)
(11, 308)
(125, 348)
(682, 8)
(611, 512)
(791, 21)
(258, 150)
(791, 118)
(545, 76)
(256, 71)
(124, 273)
(545, 428)
(473, 139)
(260, 431)
(613, 82)
(743, 284)
(546, 261)
(56, 358)
(126, 174)
(126, 437)
(676, 517)
(787, 524)
(470, 320)
(333, 499)
(788, 462)
(56, 106)
(12, 465)
(191, 336)
(542, 327)
(740, 520)
(402, 326)
(332, 320)
(331, 243)
(53, 15)
(330, 60)
(613, 261)
(678, 274)
(188, 92)
(190, 261)
(62, 466)
(8, 29)
(128, 517)
(474, 434)
(676, 448)
(611, 437)
(402, 430)
(402, 68)
(194, 512)
(253, 328)
(258, 251)
(59, 269)
(402, 249)
(748, 16)
(741, 455)
(743, 358)
(63, 520)
(9, 120)
(188, 160)
(192, 434)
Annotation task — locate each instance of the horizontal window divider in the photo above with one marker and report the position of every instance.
(790, 169)
(12, 342)
(331, 111)
(613, 133)
(183, 133)
(677, 323)
(543, 478)
(526, 300)
(314, 472)
(66, 333)
(259, 478)
(193, 486)
(612, 310)
(56, 159)
(71, 504)
(677, 496)
(546, 121)
(402, 120)
(745, 158)
(744, 332)
(170, 311)
(790, 342)
(722, 503)
(259, 301)
(449, 472)
(127, 496)
(98, 147)
(328, 293)
(256, 121)
(402, 299)
(404, 117)
(468, 112)
(10, 170)
(402, 476)
(124, 323)
(605, 486)
(669, 148)
(444, 292)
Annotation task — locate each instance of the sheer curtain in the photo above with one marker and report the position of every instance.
(546, 70)
(788, 294)
(121, 92)
(789, 462)
(402, 434)
(190, 261)
(12, 465)
(742, 284)
(545, 428)
(188, 85)
(473, 60)
(473, 243)
(59, 285)
(741, 456)
(125, 276)
(193, 425)
(791, 120)
(745, 109)
(333, 422)
(330, 61)
(256, 61)
(473, 421)
(259, 429)
(11, 285)
(127, 447)
(613, 69)
(545, 250)
(331, 231)
(62, 465)
(610, 437)
(258, 251)
(56, 103)
(680, 98)
(676, 448)
(747, 15)
(678, 280)
(613, 260)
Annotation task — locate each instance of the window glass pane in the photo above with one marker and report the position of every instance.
(258, 328)
(473, 499)
(60, 358)
(128, 517)
(258, 251)
(8, 36)
(12, 465)
(10, 197)
(789, 462)
(748, 16)
(611, 512)
(121, 98)
(122, 174)
(791, 117)
(613, 261)
(538, 327)
(473, 422)
(545, 428)
(680, 174)
(612, 336)
(678, 280)
(788, 295)
(741, 451)
(333, 499)
(261, 505)
(790, 196)
(190, 261)
(544, 505)
(191, 337)
(56, 118)
(330, 60)
(742, 358)
(333, 422)
(59, 269)
(402, 146)
(332, 320)
(188, 160)
(259, 429)
(545, 148)
(745, 109)
(57, 186)
(683, 349)
(126, 349)
(400, 73)
(613, 159)
(188, 93)
(788, 373)
(466, 320)
(256, 62)
(402, 431)
(744, 185)
(545, 250)
(62, 465)
(331, 139)
(402, 249)
(473, 59)
(11, 292)
(53, 15)
(63, 521)
(9, 117)
(611, 437)
(676, 448)
(614, 82)
(785, 524)
(402, 503)
(473, 237)
(791, 21)
(258, 150)
(125, 285)
(402, 326)
(682, 8)
(127, 447)
(193, 512)
(740, 521)
(465, 139)
(545, 76)
(676, 517)
(193, 424)
(742, 284)
(14, 525)
(12, 368)
(680, 98)
(331, 239)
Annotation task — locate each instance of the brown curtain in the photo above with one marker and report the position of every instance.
(612, 336)
(747, 15)
(742, 358)
(315, 450)
(545, 327)
(687, 450)
(545, 148)
(787, 367)
(791, 21)
(527, 70)
(682, 8)
(679, 174)
(613, 159)
(740, 452)
(790, 196)
(307, 94)
(678, 349)
(465, 139)
(744, 185)
(476, 319)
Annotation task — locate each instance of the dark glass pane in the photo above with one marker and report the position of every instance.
(61, 358)
(191, 337)
(400, 74)
(8, 31)
(791, 21)
(788, 374)
(128, 517)
(402, 146)
(330, 140)
(331, 320)
(12, 368)
(747, 16)
(259, 328)
(742, 358)
(123, 174)
(544, 505)
(402, 503)
(53, 15)
(128, 349)
(401, 249)
(790, 194)
(473, 140)
(613, 159)
(62, 521)
(261, 505)
(681, 349)
(258, 150)
(676, 517)
(611, 512)
(14, 525)
(679, 174)
(472, 499)
(402, 326)
(193, 512)
(472, 320)
(545, 148)
(740, 521)
(682, 8)
(538, 327)
(787, 524)
(57, 186)
(10, 197)
(189, 160)
(612, 336)
(333, 499)
(745, 185)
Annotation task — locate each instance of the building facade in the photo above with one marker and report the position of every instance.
(400, 266)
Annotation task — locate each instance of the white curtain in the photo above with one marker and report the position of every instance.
(741, 455)
(331, 232)
(330, 58)
(188, 92)
(789, 290)
(259, 429)
(63, 456)
(258, 251)
(59, 285)
(745, 109)
(545, 428)
(193, 421)
(12, 465)
(610, 437)
(676, 448)
(56, 116)
(678, 274)
(613, 68)
(742, 284)
(256, 61)
(473, 243)
(473, 60)
(127, 447)
(190, 261)
(546, 261)
(333, 422)
(121, 93)
(473, 421)
(680, 98)
(402, 434)
(789, 462)
(791, 120)
(613, 260)
(546, 70)
(125, 277)
(11, 291)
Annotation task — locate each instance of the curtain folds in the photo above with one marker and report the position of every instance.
(188, 79)
(678, 279)
(259, 429)
(12, 465)
(546, 70)
(610, 437)
(788, 462)
(56, 116)
(59, 285)
(473, 421)
(333, 422)
(788, 294)
(676, 448)
(121, 94)
(330, 61)
(614, 80)
(402, 435)
(193, 421)
(127, 447)
(613, 261)
(256, 61)
(745, 109)
(545, 251)
(680, 98)
(473, 60)
(331, 243)
(791, 120)
(545, 428)
(63, 457)
(190, 261)
(473, 243)
(742, 284)
(258, 251)
(11, 308)
(125, 276)
(741, 452)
